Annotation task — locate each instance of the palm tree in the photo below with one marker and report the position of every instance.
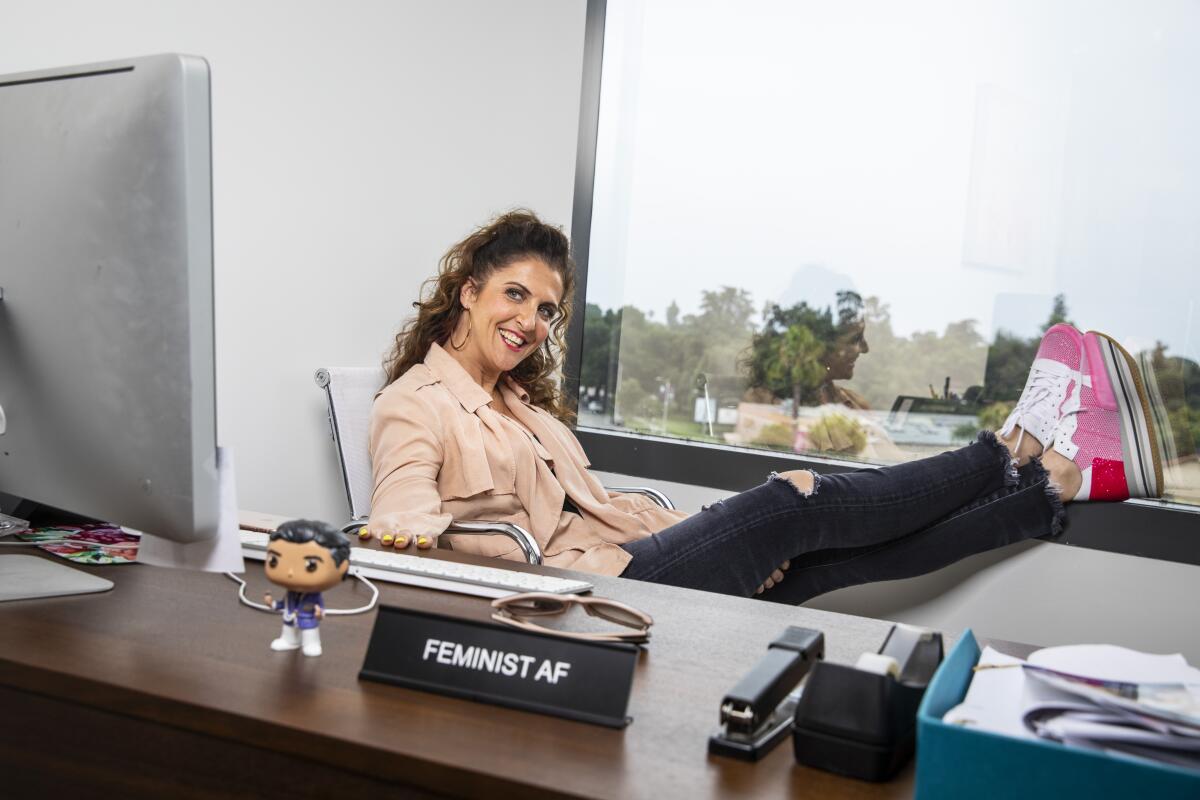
(797, 362)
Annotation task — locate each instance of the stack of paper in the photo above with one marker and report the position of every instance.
(1100, 697)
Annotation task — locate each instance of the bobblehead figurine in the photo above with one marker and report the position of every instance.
(305, 557)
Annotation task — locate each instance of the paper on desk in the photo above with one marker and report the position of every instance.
(1173, 703)
(999, 695)
(222, 553)
(1108, 662)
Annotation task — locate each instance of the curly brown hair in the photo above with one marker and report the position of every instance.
(510, 237)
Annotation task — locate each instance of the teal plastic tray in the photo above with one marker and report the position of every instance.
(958, 762)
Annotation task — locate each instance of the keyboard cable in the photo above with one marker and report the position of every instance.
(328, 612)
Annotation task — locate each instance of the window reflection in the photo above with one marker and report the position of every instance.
(842, 229)
(837, 381)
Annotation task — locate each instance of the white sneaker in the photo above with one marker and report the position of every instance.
(289, 639)
(312, 641)
(1052, 388)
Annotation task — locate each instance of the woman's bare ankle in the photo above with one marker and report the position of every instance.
(1022, 445)
(1064, 474)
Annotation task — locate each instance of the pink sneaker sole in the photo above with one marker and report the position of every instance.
(1120, 386)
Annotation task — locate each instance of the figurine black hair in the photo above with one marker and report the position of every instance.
(300, 531)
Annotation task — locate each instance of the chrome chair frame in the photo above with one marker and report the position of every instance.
(349, 393)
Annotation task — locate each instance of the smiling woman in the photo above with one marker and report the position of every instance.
(470, 426)
(518, 322)
(506, 318)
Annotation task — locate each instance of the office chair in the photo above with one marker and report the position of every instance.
(349, 393)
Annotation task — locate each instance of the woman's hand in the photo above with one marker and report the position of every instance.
(388, 530)
(775, 578)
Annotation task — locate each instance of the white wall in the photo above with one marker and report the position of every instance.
(353, 142)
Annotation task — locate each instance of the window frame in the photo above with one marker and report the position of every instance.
(1147, 528)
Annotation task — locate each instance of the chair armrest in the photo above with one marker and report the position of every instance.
(653, 494)
(523, 538)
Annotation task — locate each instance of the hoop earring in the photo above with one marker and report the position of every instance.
(468, 336)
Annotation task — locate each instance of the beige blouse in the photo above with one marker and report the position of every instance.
(440, 451)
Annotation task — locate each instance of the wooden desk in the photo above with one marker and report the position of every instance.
(165, 687)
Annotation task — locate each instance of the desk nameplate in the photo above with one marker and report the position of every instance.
(585, 681)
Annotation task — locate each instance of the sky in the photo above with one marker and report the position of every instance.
(958, 160)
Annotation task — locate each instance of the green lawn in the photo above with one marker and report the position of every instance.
(680, 426)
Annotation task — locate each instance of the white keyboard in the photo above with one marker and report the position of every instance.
(433, 573)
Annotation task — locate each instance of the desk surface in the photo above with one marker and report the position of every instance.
(170, 675)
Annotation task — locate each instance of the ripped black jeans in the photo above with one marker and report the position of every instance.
(856, 527)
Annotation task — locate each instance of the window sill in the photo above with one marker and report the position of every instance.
(1144, 528)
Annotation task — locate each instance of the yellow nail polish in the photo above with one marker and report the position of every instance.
(401, 541)
(387, 539)
(421, 542)
(364, 533)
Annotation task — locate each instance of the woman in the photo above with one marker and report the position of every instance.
(468, 427)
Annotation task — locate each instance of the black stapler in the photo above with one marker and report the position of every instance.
(861, 721)
(757, 712)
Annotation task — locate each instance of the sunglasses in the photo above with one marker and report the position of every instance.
(519, 611)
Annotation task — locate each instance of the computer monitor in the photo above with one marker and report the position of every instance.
(107, 380)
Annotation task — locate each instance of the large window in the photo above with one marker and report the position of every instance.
(839, 229)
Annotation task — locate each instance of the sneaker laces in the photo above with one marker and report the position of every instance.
(1047, 384)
